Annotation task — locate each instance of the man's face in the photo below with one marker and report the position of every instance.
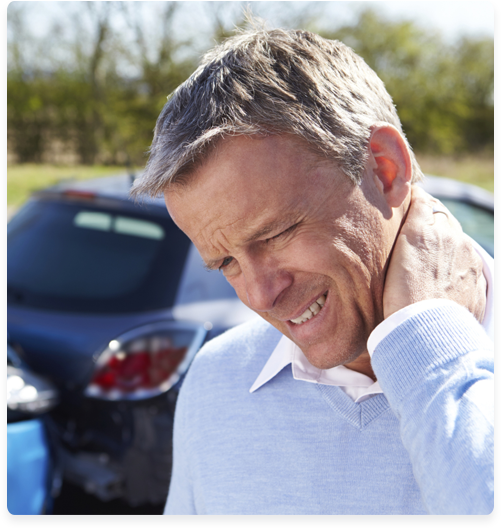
(301, 244)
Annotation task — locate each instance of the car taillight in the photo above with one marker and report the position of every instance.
(77, 193)
(145, 361)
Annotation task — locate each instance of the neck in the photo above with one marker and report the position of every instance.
(363, 365)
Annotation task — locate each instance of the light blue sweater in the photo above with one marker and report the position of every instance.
(425, 446)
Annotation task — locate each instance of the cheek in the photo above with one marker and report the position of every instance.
(347, 259)
(362, 237)
(319, 251)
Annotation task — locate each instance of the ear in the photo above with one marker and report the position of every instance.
(390, 163)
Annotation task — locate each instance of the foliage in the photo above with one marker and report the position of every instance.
(89, 106)
(92, 93)
(443, 92)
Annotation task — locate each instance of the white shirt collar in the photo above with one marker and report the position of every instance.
(356, 385)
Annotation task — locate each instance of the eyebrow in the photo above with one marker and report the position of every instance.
(267, 229)
(276, 225)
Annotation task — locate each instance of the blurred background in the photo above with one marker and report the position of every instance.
(87, 80)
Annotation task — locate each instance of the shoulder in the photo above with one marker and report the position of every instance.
(233, 359)
(241, 344)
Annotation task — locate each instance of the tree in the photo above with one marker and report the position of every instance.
(443, 92)
(95, 83)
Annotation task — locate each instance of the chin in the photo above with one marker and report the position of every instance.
(324, 360)
(322, 357)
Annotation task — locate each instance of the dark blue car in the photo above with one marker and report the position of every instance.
(110, 301)
(32, 474)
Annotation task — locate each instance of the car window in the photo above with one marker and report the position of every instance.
(119, 224)
(67, 256)
(476, 222)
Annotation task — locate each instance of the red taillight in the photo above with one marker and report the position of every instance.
(144, 365)
(75, 193)
(138, 370)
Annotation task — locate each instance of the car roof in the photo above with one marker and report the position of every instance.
(456, 190)
(116, 186)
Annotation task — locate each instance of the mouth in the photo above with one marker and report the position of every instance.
(311, 311)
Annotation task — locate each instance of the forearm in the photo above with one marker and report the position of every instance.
(436, 370)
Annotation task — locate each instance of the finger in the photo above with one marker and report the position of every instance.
(482, 298)
(441, 212)
(421, 211)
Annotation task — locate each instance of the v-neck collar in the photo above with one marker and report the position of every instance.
(359, 415)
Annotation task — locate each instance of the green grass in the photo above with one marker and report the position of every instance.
(24, 179)
(477, 170)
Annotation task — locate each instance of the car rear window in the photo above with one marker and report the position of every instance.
(76, 257)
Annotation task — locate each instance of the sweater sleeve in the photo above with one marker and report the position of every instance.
(436, 370)
(180, 500)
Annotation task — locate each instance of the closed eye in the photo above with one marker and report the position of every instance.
(228, 260)
(283, 233)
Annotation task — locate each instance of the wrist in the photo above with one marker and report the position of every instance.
(395, 319)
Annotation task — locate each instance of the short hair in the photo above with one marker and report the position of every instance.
(267, 82)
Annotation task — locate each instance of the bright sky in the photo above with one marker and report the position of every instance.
(194, 20)
(453, 18)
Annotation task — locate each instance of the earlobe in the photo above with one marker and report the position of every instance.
(390, 163)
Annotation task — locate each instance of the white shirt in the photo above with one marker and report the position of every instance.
(357, 386)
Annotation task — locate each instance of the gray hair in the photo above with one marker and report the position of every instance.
(265, 82)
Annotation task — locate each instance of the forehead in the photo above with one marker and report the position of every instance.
(244, 183)
(255, 161)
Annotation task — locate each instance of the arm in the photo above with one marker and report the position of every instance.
(435, 367)
(436, 370)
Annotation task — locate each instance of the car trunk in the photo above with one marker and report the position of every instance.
(65, 346)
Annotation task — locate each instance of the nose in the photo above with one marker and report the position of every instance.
(264, 282)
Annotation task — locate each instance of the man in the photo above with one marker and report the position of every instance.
(283, 159)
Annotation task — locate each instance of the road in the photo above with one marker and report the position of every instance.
(74, 501)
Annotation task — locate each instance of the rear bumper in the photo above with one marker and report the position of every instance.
(118, 450)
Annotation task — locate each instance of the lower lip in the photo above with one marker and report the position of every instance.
(307, 331)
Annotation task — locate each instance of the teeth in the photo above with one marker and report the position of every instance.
(311, 311)
(315, 308)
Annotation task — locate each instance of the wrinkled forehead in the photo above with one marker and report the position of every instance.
(244, 178)
(305, 154)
